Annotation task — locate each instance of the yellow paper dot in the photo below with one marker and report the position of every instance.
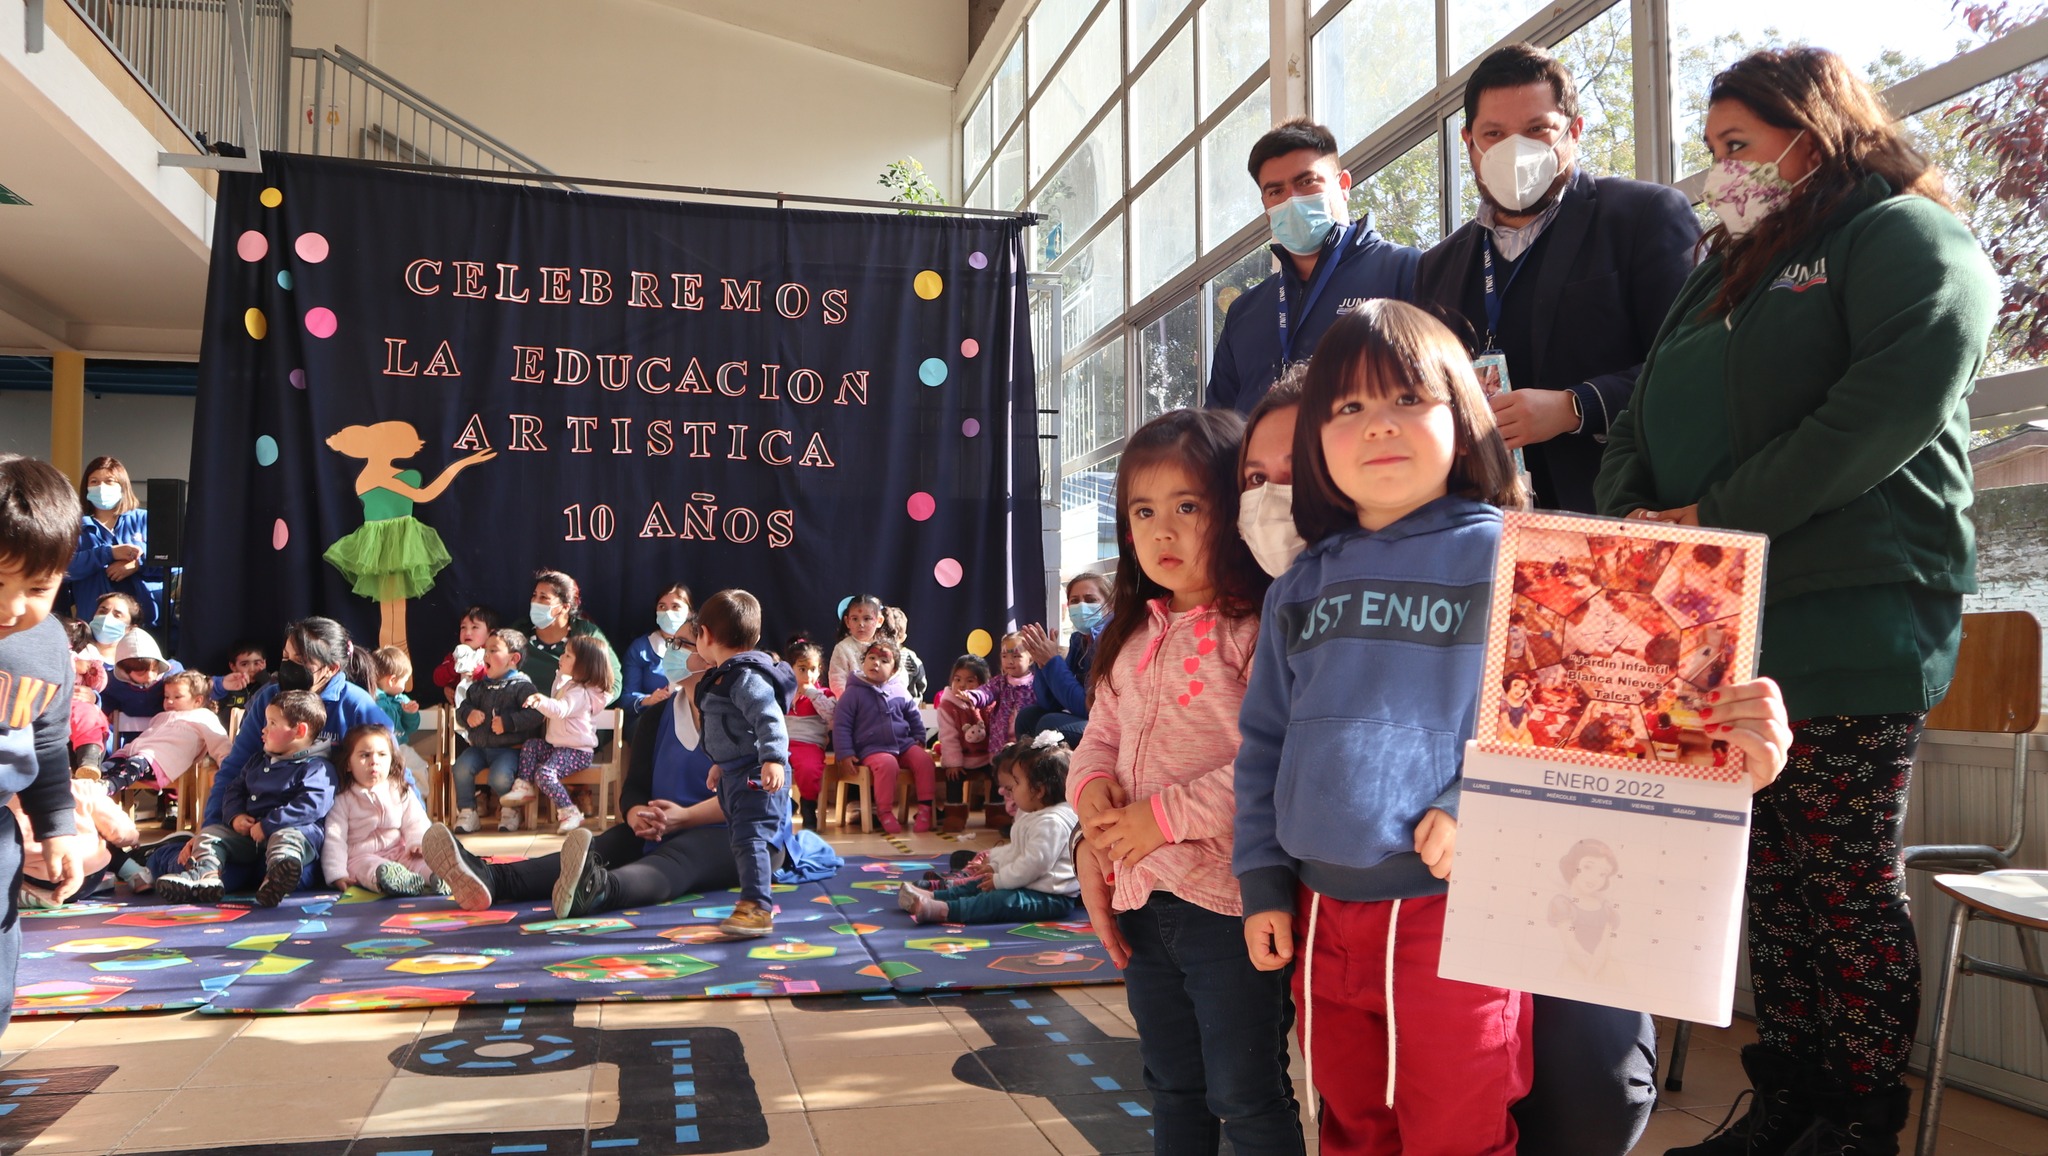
(271, 198)
(257, 324)
(929, 285)
(979, 644)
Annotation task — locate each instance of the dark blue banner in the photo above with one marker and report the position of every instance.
(417, 390)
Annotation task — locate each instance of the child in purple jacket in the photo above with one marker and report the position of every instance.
(879, 727)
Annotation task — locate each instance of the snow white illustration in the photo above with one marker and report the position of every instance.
(392, 556)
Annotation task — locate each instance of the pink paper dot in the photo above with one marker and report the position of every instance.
(970, 347)
(921, 506)
(320, 321)
(970, 428)
(298, 379)
(252, 246)
(948, 572)
(279, 535)
(312, 247)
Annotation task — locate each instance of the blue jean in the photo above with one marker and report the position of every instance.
(968, 903)
(1212, 1030)
(753, 819)
(1595, 1080)
(504, 766)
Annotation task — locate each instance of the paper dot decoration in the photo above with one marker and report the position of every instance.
(252, 246)
(271, 198)
(970, 348)
(298, 377)
(284, 279)
(279, 535)
(948, 572)
(256, 323)
(928, 285)
(970, 428)
(921, 506)
(320, 321)
(979, 643)
(932, 372)
(311, 248)
(977, 260)
(266, 450)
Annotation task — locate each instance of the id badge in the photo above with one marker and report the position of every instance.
(1492, 370)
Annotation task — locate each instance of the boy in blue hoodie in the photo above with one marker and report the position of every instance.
(742, 700)
(273, 813)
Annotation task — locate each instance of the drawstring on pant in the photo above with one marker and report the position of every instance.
(1393, 921)
(1308, 1009)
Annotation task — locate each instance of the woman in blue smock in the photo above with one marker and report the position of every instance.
(112, 539)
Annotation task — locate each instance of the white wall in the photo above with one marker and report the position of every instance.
(635, 90)
(151, 435)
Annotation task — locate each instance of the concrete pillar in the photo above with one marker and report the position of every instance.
(67, 414)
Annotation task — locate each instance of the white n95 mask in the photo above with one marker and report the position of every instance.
(1265, 520)
(1518, 171)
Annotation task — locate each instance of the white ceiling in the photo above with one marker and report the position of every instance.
(921, 38)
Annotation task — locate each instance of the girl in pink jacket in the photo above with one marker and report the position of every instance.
(374, 830)
(1154, 787)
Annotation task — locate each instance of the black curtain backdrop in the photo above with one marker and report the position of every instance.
(803, 404)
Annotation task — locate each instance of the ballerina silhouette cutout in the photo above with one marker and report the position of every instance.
(392, 556)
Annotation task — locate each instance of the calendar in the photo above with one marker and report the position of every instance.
(1603, 830)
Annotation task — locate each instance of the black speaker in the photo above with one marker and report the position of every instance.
(165, 498)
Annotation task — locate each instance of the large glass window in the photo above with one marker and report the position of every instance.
(1236, 41)
(1477, 25)
(977, 138)
(1170, 359)
(1405, 198)
(1163, 103)
(1375, 59)
(1008, 88)
(1074, 95)
(1232, 200)
(1092, 286)
(1050, 29)
(1088, 514)
(1163, 228)
(1230, 284)
(1092, 402)
(1084, 189)
(1600, 58)
(1149, 18)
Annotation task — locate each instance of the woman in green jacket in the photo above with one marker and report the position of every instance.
(1810, 383)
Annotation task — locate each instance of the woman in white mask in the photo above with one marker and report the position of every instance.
(112, 536)
(646, 686)
(1265, 514)
(1810, 384)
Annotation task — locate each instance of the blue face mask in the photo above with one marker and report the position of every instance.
(104, 497)
(1301, 224)
(1086, 616)
(669, 621)
(541, 614)
(675, 665)
(106, 629)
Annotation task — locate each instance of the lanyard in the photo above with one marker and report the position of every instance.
(1495, 299)
(1325, 267)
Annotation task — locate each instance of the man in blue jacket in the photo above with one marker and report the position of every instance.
(1327, 264)
(1563, 275)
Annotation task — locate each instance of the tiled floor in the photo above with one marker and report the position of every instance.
(840, 1077)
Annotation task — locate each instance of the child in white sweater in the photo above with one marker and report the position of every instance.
(1031, 878)
(582, 689)
(376, 824)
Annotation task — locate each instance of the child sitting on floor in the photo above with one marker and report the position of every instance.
(1032, 876)
(810, 726)
(375, 828)
(98, 822)
(173, 740)
(272, 813)
(581, 690)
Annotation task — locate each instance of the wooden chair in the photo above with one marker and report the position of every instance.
(840, 775)
(608, 777)
(1997, 690)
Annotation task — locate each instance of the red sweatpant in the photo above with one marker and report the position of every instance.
(1461, 1052)
(807, 768)
(886, 767)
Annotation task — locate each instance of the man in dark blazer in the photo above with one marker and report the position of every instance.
(1583, 270)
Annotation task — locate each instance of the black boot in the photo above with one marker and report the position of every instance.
(1781, 1112)
(808, 811)
(199, 882)
(1849, 1125)
(284, 864)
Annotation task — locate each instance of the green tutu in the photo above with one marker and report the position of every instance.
(391, 558)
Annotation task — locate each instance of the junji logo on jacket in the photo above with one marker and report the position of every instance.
(1799, 278)
(1425, 612)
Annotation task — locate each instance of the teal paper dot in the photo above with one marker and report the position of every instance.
(932, 372)
(284, 279)
(266, 450)
(844, 603)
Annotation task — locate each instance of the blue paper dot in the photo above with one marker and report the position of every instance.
(933, 371)
(284, 279)
(266, 450)
(843, 604)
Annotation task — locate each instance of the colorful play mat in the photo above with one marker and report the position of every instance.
(322, 952)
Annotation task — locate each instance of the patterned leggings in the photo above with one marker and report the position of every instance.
(1831, 950)
(545, 766)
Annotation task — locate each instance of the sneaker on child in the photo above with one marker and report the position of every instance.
(465, 820)
(571, 819)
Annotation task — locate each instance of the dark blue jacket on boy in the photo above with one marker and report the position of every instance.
(742, 701)
(295, 790)
(1364, 688)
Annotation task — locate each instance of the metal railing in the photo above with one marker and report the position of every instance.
(179, 50)
(347, 107)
